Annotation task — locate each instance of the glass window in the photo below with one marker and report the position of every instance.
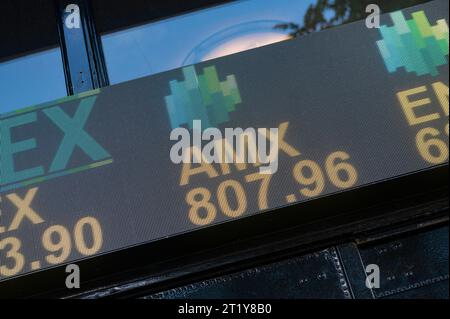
(197, 36)
(31, 79)
(221, 30)
(31, 67)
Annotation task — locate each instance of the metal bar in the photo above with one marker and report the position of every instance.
(82, 54)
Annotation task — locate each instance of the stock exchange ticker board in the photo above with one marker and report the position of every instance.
(92, 173)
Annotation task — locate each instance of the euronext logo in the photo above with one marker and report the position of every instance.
(201, 103)
(414, 44)
(202, 97)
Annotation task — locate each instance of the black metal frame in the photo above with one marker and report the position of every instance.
(152, 267)
(83, 60)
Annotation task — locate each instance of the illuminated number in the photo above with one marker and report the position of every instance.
(62, 246)
(263, 189)
(335, 171)
(199, 198)
(12, 253)
(426, 142)
(316, 179)
(97, 236)
(239, 195)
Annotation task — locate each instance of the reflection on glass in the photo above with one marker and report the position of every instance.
(199, 36)
(223, 30)
(31, 79)
(238, 38)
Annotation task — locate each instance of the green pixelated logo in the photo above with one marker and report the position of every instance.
(414, 44)
(202, 97)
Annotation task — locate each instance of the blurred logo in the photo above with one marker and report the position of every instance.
(373, 19)
(202, 97)
(73, 279)
(373, 276)
(414, 44)
(72, 20)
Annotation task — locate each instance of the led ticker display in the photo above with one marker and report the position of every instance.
(92, 173)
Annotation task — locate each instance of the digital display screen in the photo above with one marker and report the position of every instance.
(353, 106)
